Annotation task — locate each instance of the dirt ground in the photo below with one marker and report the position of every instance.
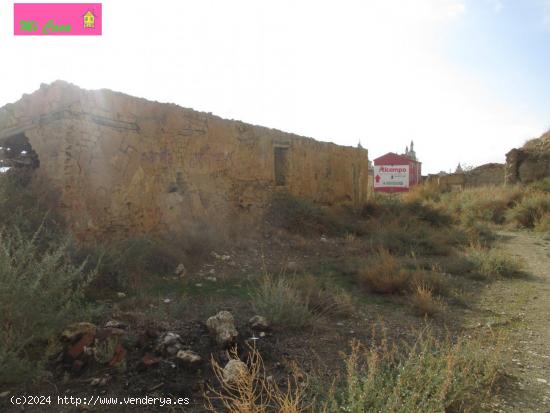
(521, 307)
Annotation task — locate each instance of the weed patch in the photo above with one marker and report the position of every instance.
(40, 291)
(431, 375)
(281, 302)
(491, 262)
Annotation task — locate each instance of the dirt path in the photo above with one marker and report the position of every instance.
(522, 308)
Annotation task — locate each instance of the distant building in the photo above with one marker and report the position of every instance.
(397, 173)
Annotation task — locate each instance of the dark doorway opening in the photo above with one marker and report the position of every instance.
(281, 166)
(16, 152)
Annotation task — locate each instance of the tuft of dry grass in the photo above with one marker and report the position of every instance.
(323, 298)
(383, 274)
(423, 301)
(252, 391)
(278, 299)
(491, 263)
(533, 209)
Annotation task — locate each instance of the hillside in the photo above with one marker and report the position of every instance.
(539, 145)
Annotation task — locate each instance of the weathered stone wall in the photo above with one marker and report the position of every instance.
(126, 165)
(451, 182)
(529, 163)
(488, 174)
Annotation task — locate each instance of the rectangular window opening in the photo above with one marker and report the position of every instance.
(281, 166)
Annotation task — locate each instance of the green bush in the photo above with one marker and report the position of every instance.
(40, 291)
(430, 376)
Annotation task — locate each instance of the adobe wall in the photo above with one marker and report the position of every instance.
(126, 165)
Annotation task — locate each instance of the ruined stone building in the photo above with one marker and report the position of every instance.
(125, 165)
(529, 163)
(490, 174)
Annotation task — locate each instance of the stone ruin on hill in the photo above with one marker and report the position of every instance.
(125, 165)
(529, 163)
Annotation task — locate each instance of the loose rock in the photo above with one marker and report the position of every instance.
(77, 330)
(222, 325)
(233, 370)
(169, 344)
(258, 322)
(115, 324)
(189, 358)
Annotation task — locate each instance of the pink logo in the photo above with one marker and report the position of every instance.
(57, 19)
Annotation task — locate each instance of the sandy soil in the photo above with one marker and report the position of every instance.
(521, 307)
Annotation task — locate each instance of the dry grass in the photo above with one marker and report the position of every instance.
(532, 211)
(420, 193)
(323, 298)
(431, 375)
(253, 392)
(278, 299)
(298, 301)
(491, 263)
(423, 301)
(383, 274)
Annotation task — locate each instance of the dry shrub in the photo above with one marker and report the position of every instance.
(40, 292)
(295, 302)
(423, 301)
(350, 238)
(278, 299)
(533, 208)
(491, 263)
(543, 223)
(432, 279)
(484, 204)
(29, 206)
(298, 215)
(343, 303)
(383, 274)
(253, 392)
(431, 375)
(542, 185)
(323, 298)
(428, 191)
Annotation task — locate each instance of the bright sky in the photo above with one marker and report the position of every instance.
(466, 79)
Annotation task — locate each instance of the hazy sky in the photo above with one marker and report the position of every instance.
(466, 79)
